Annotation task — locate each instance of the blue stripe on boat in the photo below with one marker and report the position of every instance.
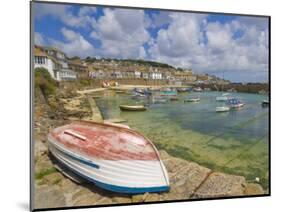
(79, 159)
(119, 189)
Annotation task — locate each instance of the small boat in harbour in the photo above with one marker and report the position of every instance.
(192, 99)
(265, 103)
(180, 90)
(112, 157)
(222, 109)
(132, 107)
(223, 97)
(197, 89)
(235, 103)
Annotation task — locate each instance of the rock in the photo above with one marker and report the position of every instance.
(253, 189)
(39, 148)
(104, 201)
(49, 196)
(54, 178)
(152, 197)
(184, 176)
(121, 200)
(85, 197)
(42, 163)
(138, 198)
(221, 185)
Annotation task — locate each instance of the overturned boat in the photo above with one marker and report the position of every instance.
(112, 157)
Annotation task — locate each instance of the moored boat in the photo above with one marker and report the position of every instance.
(265, 103)
(132, 107)
(197, 89)
(222, 109)
(235, 103)
(180, 90)
(192, 99)
(112, 157)
(223, 97)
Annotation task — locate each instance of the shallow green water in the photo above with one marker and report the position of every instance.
(234, 142)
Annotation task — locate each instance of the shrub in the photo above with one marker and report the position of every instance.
(44, 82)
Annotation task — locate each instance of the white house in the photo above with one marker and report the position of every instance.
(41, 60)
(137, 74)
(155, 74)
(58, 65)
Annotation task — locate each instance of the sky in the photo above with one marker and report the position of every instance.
(230, 46)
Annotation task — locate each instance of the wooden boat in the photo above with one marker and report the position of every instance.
(192, 99)
(112, 157)
(222, 109)
(132, 107)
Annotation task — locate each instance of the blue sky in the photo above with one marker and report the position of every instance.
(236, 46)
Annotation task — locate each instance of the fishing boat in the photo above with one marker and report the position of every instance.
(222, 109)
(223, 97)
(192, 99)
(235, 103)
(197, 89)
(132, 107)
(112, 157)
(265, 103)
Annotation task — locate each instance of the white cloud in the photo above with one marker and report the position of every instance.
(76, 44)
(122, 32)
(64, 14)
(39, 39)
(233, 47)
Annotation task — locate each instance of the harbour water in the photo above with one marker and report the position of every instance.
(234, 142)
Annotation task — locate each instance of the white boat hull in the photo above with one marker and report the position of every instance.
(123, 176)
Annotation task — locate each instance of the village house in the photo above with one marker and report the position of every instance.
(144, 75)
(137, 74)
(186, 76)
(60, 67)
(116, 75)
(154, 74)
(41, 59)
(77, 66)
